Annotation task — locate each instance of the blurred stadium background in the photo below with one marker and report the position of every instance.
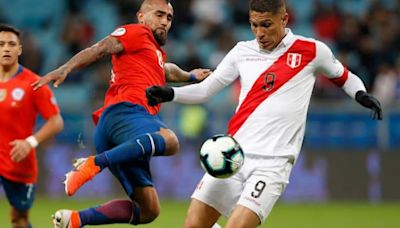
(348, 172)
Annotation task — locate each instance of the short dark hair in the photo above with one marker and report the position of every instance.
(262, 6)
(9, 28)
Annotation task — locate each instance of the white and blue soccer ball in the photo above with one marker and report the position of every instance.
(221, 156)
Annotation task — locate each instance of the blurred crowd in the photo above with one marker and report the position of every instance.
(364, 34)
(368, 43)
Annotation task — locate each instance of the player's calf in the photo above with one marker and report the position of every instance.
(171, 143)
(19, 219)
(148, 215)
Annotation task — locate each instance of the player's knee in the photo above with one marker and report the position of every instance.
(19, 222)
(171, 142)
(148, 216)
(242, 223)
(19, 219)
(193, 222)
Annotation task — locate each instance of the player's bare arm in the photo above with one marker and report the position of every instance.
(107, 46)
(21, 147)
(174, 73)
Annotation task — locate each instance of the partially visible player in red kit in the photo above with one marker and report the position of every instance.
(19, 108)
(129, 131)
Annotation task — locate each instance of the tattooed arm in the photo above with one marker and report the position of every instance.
(174, 73)
(106, 46)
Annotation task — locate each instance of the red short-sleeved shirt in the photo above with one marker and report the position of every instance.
(19, 108)
(138, 67)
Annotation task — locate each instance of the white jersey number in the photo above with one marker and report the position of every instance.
(160, 58)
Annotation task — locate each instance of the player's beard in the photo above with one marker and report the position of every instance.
(161, 38)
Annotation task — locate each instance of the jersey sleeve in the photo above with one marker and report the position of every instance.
(227, 71)
(45, 102)
(225, 74)
(131, 36)
(329, 66)
(199, 92)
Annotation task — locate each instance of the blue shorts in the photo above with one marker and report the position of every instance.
(19, 195)
(119, 123)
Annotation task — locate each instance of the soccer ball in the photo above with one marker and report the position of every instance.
(221, 156)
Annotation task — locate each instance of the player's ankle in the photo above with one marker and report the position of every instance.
(75, 219)
(101, 161)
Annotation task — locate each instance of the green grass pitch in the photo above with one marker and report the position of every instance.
(326, 215)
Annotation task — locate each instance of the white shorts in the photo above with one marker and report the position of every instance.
(257, 186)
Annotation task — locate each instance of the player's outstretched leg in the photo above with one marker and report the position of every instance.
(137, 149)
(66, 219)
(84, 170)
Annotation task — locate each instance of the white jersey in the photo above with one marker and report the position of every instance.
(276, 88)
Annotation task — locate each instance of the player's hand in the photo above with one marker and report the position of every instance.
(200, 74)
(159, 94)
(368, 101)
(20, 149)
(57, 76)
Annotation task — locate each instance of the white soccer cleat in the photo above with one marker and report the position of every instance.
(66, 219)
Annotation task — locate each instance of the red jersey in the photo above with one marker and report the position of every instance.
(19, 108)
(139, 66)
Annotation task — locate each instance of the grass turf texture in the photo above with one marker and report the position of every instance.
(339, 214)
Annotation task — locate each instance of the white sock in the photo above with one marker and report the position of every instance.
(216, 226)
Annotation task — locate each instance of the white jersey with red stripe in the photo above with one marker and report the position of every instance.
(276, 88)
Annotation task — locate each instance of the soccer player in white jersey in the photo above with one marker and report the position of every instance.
(277, 72)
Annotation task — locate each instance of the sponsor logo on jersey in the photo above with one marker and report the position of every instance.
(17, 94)
(293, 60)
(119, 32)
(3, 94)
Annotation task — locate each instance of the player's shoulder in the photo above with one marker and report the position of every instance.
(318, 46)
(305, 39)
(246, 45)
(29, 75)
(322, 49)
(317, 42)
(131, 28)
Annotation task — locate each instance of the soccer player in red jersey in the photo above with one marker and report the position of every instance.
(128, 132)
(19, 107)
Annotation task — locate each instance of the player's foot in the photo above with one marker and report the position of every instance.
(84, 170)
(66, 219)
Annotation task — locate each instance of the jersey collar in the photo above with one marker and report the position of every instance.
(285, 42)
(288, 39)
(20, 69)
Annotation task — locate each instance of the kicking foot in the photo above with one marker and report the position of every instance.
(66, 219)
(84, 170)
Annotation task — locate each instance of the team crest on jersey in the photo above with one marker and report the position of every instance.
(293, 60)
(3, 94)
(119, 32)
(17, 94)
